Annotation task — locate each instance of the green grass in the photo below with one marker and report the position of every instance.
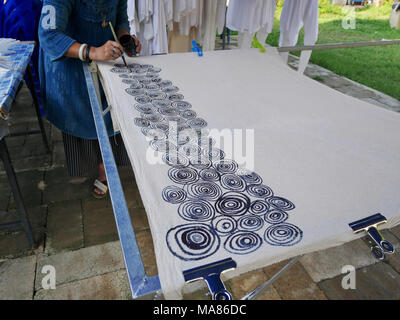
(375, 67)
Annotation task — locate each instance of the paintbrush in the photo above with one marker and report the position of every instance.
(116, 40)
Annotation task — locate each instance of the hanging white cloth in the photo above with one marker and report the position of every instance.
(249, 17)
(295, 15)
(160, 39)
(132, 17)
(213, 19)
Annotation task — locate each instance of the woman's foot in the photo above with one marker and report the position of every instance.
(100, 185)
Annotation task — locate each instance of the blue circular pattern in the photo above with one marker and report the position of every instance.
(243, 242)
(232, 182)
(233, 204)
(209, 174)
(181, 105)
(226, 166)
(259, 190)
(173, 194)
(250, 223)
(204, 190)
(249, 176)
(275, 216)
(193, 241)
(259, 207)
(281, 203)
(175, 160)
(196, 210)
(224, 226)
(183, 175)
(283, 234)
(140, 122)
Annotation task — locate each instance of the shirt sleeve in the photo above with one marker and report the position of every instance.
(52, 26)
(122, 16)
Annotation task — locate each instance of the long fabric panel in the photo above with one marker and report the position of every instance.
(321, 159)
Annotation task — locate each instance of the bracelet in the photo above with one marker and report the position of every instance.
(87, 54)
(82, 47)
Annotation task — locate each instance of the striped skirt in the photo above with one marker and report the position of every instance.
(83, 155)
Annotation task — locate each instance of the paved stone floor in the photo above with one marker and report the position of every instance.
(77, 234)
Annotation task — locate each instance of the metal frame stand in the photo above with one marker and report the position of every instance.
(139, 282)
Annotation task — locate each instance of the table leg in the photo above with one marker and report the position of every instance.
(4, 155)
(37, 108)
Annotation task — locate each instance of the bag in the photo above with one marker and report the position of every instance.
(395, 16)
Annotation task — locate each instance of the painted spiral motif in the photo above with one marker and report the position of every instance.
(209, 174)
(140, 122)
(174, 195)
(250, 223)
(233, 204)
(259, 207)
(142, 99)
(183, 175)
(193, 241)
(181, 105)
(204, 190)
(249, 176)
(275, 216)
(243, 242)
(259, 190)
(196, 210)
(161, 103)
(187, 114)
(175, 97)
(224, 226)
(226, 166)
(200, 162)
(135, 92)
(232, 182)
(213, 194)
(144, 108)
(283, 234)
(175, 160)
(281, 203)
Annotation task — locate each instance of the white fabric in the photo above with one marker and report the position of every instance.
(213, 20)
(249, 17)
(335, 157)
(295, 15)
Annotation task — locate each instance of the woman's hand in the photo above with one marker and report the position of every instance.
(138, 44)
(111, 50)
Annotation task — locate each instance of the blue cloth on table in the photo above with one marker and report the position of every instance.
(19, 56)
(62, 80)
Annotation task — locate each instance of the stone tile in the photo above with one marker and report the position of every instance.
(139, 219)
(30, 163)
(243, 284)
(4, 200)
(16, 278)
(64, 226)
(146, 248)
(202, 294)
(295, 283)
(17, 140)
(99, 225)
(56, 135)
(28, 182)
(15, 244)
(132, 196)
(376, 282)
(59, 188)
(83, 263)
(328, 263)
(396, 231)
(58, 159)
(37, 216)
(109, 286)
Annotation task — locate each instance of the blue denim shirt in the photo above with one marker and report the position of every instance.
(62, 80)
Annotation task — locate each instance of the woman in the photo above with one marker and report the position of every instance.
(71, 31)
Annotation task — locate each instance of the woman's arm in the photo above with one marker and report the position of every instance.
(57, 44)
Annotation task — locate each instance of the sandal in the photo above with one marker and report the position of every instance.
(102, 186)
